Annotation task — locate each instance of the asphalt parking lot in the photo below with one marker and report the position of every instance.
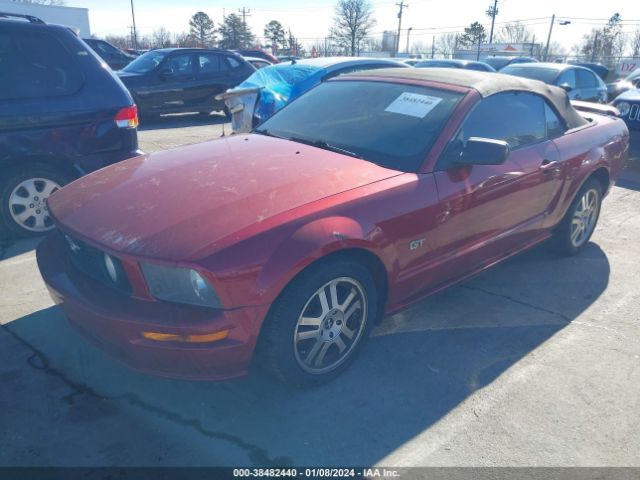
(536, 363)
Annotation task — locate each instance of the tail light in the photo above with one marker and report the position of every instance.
(127, 117)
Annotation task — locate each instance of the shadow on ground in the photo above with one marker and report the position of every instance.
(418, 366)
(14, 247)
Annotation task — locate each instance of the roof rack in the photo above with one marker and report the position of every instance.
(30, 18)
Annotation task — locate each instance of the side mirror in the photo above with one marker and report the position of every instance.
(484, 151)
(165, 74)
(566, 87)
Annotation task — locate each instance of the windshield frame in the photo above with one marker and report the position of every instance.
(424, 157)
(148, 54)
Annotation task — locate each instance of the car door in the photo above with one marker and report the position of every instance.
(569, 82)
(488, 211)
(587, 85)
(173, 81)
(211, 78)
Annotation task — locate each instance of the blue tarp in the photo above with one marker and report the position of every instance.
(279, 84)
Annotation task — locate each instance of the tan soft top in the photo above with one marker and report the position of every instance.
(486, 84)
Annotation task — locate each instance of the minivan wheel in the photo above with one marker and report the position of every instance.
(23, 193)
(579, 223)
(318, 324)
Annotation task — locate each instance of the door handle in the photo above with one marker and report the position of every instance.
(550, 167)
(546, 163)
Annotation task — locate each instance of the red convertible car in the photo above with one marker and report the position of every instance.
(369, 192)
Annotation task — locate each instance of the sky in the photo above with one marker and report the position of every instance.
(310, 20)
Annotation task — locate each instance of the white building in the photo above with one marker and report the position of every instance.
(76, 18)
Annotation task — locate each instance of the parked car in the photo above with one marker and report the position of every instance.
(597, 68)
(269, 89)
(409, 61)
(259, 53)
(62, 114)
(112, 55)
(581, 83)
(629, 82)
(466, 64)
(628, 105)
(287, 58)
(258, 63)
(499, 63)
(367, 193)
(176, 80)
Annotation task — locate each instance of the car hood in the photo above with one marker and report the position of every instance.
(186, 203)
(629, 96)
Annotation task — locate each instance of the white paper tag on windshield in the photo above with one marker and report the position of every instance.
(413, 104)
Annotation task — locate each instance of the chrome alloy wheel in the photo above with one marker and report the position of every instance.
(27, 204)
(330, 325)
(585, 217)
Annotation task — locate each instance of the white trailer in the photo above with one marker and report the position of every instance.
(76, 18)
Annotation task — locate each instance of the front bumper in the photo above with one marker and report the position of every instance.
(114, 321)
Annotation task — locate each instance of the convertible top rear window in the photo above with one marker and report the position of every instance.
(390, 124)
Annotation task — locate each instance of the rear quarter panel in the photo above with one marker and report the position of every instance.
(603, 144)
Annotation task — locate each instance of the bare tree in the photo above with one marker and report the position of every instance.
(42, 2)
(352, 21)
(120, 41)
(161, 38)
(604, 44)
(184, 39)
(514, 32)
(635, 43)
(446, 44)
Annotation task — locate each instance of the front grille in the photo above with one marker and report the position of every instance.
(634, 112)
(91, 261)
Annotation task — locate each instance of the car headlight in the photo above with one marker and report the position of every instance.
(181, 285)
(623, 108)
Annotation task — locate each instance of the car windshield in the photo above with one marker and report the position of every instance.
(547, 75)
(391, 124)
(145, 63)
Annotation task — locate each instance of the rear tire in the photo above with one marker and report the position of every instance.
(318, 324)
(580, 221)
(23, 194)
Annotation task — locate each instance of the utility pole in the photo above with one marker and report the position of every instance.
(408, 33)
(533, 43)
(492, 12)
(433, 47)
(595, 47)
(546, 50)
(402, 6)
(245, 13)
(135, 33)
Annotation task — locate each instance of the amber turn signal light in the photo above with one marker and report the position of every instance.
(170, 337)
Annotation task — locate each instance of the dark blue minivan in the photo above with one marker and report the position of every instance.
(63, 113)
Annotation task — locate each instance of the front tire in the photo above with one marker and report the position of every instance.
(317, 325)
(24, 212)
(579, 223)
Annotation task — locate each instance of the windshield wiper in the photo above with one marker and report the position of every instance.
(325, 146)
(264, 131)
(314, 143)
